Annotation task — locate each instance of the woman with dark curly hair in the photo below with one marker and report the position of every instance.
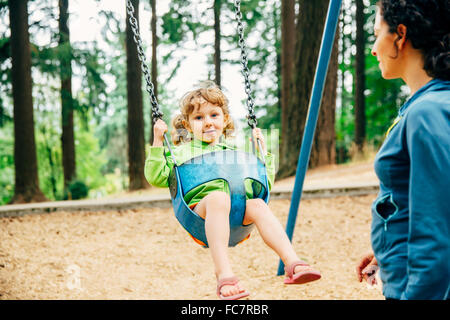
(411, 215)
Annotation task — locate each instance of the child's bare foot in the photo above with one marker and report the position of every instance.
(228, 288)
(301, 268)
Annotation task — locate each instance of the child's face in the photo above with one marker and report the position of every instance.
(207, 122)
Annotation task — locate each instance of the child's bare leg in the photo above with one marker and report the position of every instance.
(273, 234)
(215, 209)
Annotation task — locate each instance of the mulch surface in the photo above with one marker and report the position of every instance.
(146, 254)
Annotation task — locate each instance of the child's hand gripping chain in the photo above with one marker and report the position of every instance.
(159, 128)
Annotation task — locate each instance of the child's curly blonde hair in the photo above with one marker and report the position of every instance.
(208, 91)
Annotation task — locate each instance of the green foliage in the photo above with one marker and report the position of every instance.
(180, 22)
(76, 190)
(90, 159)
(262, 21)
(93, 87)
(5, 81)
(383, 99)
(45, 58)
(3, 5)
(6, 163)
(49, 154)
(5, 51)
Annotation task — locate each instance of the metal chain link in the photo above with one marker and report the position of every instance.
(244, 61)
(156, 112)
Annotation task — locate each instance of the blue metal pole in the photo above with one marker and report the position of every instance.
(313, 113)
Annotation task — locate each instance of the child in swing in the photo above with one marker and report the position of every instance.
(205, 116)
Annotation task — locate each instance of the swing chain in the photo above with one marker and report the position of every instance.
(244, 61)
(156, 113)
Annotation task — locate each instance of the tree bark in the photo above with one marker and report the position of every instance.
(323, 150)
(25, 159)
(287, 63)
(154, 62)
(309, 30)
(279, 50)
(360, 108)
(217, 37)
(287, 56)
(2, 114)
(68, 136)
(136, 142)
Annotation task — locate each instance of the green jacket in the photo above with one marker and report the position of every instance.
(159, 164)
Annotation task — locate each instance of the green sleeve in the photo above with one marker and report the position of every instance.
(270, 168)
(158, 167)
(252, 189)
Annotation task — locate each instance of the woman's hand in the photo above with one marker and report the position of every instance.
(159, 128)
(257, 135)
(367, 268)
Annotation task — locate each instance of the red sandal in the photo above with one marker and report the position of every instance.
(231, 281)
(302, 276)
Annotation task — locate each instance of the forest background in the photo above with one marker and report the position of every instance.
(75, 116)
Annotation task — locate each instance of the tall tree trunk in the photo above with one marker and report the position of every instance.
(277, 45)
(67, 137)
(2, 113)
(136, 142)
(287, 63)
(217, 37)
(323, 149)
(309, 30)
(154, 62)
(360, 108)
(25, 159)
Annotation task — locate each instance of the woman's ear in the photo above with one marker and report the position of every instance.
(401, 40)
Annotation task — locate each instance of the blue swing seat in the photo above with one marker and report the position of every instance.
(234, 167)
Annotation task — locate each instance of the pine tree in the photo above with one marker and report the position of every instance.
(309, 30)
(136, 143)
(25, 160)
(68, 136)
(154, 61)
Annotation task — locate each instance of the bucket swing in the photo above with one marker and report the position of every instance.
(232, 166)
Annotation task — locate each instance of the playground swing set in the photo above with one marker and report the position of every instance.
(236, 166)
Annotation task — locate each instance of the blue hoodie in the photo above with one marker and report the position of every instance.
(411, 215)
